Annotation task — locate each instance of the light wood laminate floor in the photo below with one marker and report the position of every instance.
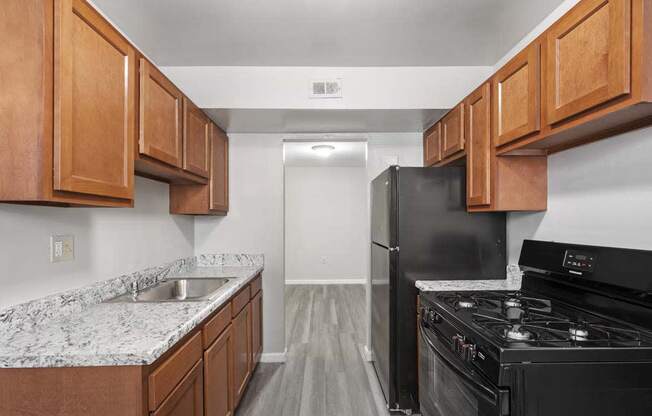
(325, 373)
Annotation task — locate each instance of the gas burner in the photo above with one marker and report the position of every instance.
(578, 333)
(466, 303)
(512, 302)
(516, 333)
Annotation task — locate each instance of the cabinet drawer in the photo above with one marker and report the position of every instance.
(169, 373)
(218, 323)
(256, 285)
(240, 301)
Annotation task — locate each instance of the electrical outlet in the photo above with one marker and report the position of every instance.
(62, 248)
(322, 260)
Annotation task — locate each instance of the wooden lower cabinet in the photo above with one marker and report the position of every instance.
(191, 379)
(241, 357)
(218, 376)
(187, 399)
(256, 328)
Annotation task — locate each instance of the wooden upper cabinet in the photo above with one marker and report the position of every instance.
(94, 105)
(517, 101)
(588, 57)
(478, 146)
(196, 138)
(160, 134)
(219, 174)
(452, 132)
(431, 145)
(218, 375)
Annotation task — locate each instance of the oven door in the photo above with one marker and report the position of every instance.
(449, 387)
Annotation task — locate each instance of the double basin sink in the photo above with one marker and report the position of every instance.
(176, 290)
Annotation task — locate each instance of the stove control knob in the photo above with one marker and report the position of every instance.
(433, 317)
(457, 343)
(469, 352)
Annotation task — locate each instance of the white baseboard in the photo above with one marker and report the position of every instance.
(326, 282)
(274, 357)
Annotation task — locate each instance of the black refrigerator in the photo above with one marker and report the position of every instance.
(420, 230)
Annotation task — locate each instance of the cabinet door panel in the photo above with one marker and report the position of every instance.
(241, 326)
(187, 399)
(256, 328)
(517, 96)
(478, 147)
(431, 146)
(94, 104)
(588, 58)
(219, 186)
(452, 131)
(196, 139)
(160, 116)
(218, 375)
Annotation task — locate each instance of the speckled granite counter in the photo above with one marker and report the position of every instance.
(511, 283)
(82, 331)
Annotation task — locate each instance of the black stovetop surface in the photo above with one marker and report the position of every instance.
(524, 320)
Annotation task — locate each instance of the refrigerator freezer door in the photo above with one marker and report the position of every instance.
(381, 208)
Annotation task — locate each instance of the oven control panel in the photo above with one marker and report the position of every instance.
(579, 260)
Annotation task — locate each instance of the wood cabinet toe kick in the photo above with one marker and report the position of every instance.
(203, 374)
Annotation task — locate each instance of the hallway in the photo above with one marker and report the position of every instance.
(325, 373)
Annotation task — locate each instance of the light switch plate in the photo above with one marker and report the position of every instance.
(62, 248)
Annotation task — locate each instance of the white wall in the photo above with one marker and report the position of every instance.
(108, 242)
(254, 223)
(363, 88)
(598, 194)
(326, 218)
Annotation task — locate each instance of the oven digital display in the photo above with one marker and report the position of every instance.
(579, 260)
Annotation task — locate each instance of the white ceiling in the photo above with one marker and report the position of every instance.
(346, 154)
(326, 32)
(323, 121)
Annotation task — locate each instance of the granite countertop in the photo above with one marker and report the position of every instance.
(511, 283)
(104, 334)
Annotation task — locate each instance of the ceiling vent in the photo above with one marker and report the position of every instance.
(326, 88)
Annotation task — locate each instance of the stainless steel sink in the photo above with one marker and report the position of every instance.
(177, 290)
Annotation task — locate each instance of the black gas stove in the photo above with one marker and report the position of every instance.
(575, 340)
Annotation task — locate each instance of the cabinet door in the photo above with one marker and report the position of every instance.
(241, 326)
(196, 139)
(94, 103)
(517, 105)
(256, 328)
(431, 145)
(219, 186)
(588, 57)
(478, 146)
(160, 116)
(218, 375)
(187, 399)
(452, 131)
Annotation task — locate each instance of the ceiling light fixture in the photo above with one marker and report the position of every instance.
(323, 150)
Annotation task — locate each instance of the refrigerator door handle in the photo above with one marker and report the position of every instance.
(394, 249)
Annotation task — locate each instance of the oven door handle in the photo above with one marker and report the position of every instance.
(497, 397)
